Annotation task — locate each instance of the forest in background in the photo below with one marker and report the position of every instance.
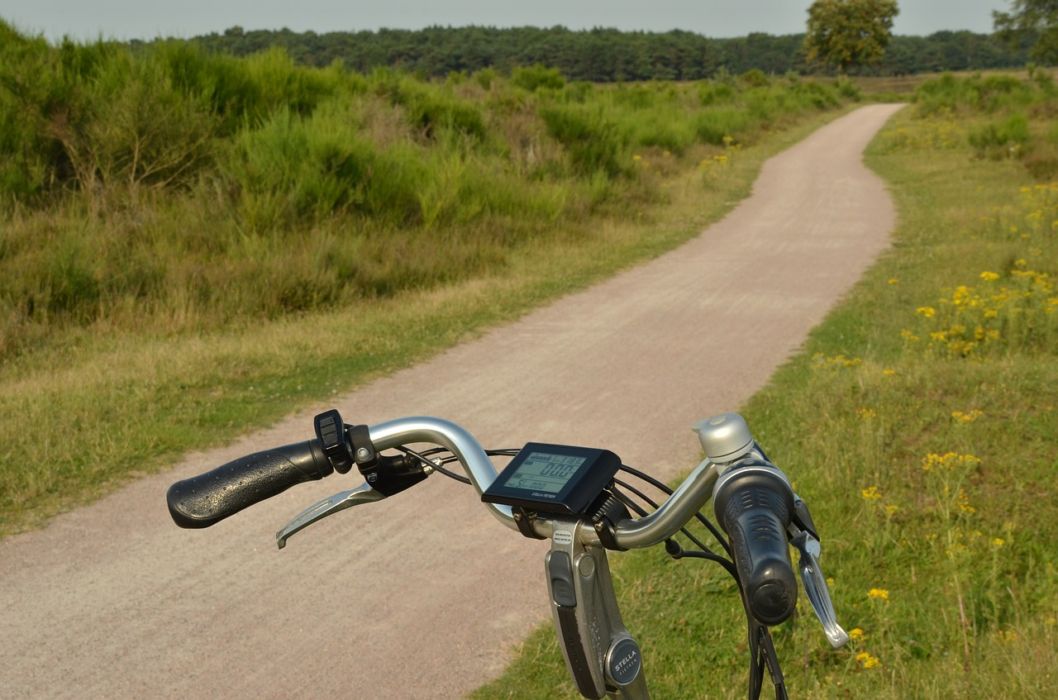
(604, 55)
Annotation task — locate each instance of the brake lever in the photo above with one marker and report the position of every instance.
(815, 585)
(363, 493)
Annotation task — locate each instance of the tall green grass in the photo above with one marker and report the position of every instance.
(920, 423)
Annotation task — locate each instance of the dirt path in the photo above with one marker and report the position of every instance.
(423, 595)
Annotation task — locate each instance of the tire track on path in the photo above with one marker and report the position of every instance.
(422, 596)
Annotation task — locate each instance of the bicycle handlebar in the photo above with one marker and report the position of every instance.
(206, 499)
(753, 501)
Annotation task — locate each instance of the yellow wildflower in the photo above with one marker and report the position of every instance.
(893, 280)
(866, 413)
(948, 460)
(998, 542)
(856, 634)
(878, 594)
(888, 372)
(989, 276)
(967, 416)
(890, 509)
(867, 660)
(927, 311)
(870, 493)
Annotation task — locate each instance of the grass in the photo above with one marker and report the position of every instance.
(925, 444)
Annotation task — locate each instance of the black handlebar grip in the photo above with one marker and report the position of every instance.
(754, 507)
(208, 498)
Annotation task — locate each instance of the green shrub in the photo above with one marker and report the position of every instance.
(282, 84)
(815, 95)
(713, 92)
(987, 94)
(31, 87)
(485, 78)
(534, 77)
(662, 128)
(431, 111)
(295, 169)
(593, 142)
(754, 77)
(848, 89)
(713, 125)
(1000, 139)
(579, 91)
(635, 96)
(138, 128)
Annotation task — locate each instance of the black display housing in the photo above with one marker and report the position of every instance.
(580, 490)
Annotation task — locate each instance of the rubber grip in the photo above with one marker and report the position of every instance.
(207, 499)
(754, 510)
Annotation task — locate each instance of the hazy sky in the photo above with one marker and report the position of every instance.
(719, 18)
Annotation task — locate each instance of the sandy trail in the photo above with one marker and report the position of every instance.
(422, 596)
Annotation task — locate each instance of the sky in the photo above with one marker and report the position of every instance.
(147, 19)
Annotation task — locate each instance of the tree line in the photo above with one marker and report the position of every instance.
(604, 55)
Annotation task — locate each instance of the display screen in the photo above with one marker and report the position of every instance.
(545, 472)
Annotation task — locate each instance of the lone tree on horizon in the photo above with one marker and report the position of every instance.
(848, 33)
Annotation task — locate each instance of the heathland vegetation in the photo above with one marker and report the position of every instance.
(921, 420)
(159, 200)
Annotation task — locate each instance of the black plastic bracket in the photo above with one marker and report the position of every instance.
(605, 517)
(524, 521)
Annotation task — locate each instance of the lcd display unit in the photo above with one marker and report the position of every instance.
(558, 479)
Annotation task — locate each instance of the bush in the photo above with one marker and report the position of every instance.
(754, 77)
(1001, 139)
(31, 86)
(988, 94)
(711, 93)
(594, 143)
(137, 128)
(532, 78)
(430, 110)
(815, 95)
(714, 125)
(296, 169)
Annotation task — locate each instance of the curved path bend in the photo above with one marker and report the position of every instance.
(423, 596)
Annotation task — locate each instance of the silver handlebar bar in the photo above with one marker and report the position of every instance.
(691, 495)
